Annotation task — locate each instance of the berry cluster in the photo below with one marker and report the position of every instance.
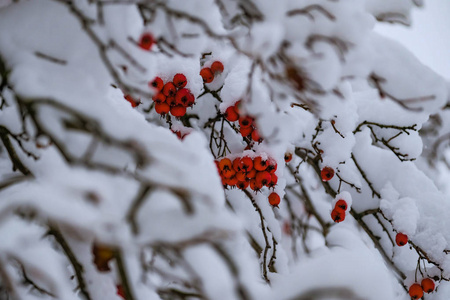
(246, 123)
(208, 73)
(339, 210)
(243, 172)
(416, 290)
(172, 96)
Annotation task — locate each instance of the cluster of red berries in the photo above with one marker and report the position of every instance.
(172, 96)
(246, 123)
(338, 213)
(416, 290)
(208, 73)
(327, 173)
(243, 172)
(401, 239)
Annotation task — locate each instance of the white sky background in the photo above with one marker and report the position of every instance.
(428, 37)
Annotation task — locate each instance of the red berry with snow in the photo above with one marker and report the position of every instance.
(401, 239)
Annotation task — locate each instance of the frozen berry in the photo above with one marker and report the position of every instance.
(337, 215)
(157, 84)
(231, 114)
(179, 80)
(327, 173)
(162, 108)
(401, 239)
(146, 41)
(287, 157)
(415, 291)
(274, 199)
(427, 285)
(207, 75)
(169, 89)
(217, 67)
(178, 110)
(341, 204)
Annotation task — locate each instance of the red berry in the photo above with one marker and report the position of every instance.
(341, 204)
(251, 174)
(241, 176)
(130, 99)
(162, 108)
(178, 111)
(217, 67)
(231, 114)
(120, 291)
(274, 199)
(246, 163)
(263, 177)
(338, 215)
(246, 131)
(401, 239)
(274, 181)
(259, 164)
(415, 291)
(146, 41)
(287, 157)
(156, 83)
(179, 80)
(245, 121)
(327, 173)
(169, 89)
(427, 285)
(182, 97)
(232, 181)
(171, 101)
(243, 184)
(255, 185)
(255, 136)
(158, 98)
(225, 164)
(271, 166)
(207, 75)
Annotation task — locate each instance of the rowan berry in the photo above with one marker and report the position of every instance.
(158, 98)
(162, 108)
(327, 173)
(169, 89)
(337, 215)
(260, 164)
(401, 239)
(231, 114)
(341, 204)
(157, 84)
(217, 67)
(287, 157)
(207, 75)
(415, 291)
(263, 177)
(245, 121)
(274, 199)
(246, 131)
(182, 97)
(179, 80)
(427, 285)
(178, 110)
(146, 41)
